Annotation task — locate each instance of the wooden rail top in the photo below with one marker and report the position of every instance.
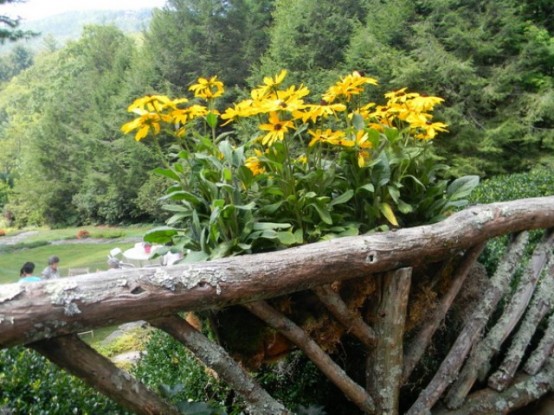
(31, 312)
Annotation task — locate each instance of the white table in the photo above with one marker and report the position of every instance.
(139, 254)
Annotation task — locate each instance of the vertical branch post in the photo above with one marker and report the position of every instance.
(384, 363)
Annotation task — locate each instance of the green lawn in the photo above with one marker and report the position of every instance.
(37, 248)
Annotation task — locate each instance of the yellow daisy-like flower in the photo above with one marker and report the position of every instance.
(254, 164)
(207, 88)
(348, 86)
(289, 100)
(241, 109)
(314, 112)
(276, 129)
(146, 123)
(428, 131)
(327, 136)
(151, 103)
(362, 144)
(270, 83)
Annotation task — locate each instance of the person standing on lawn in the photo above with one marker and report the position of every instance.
(51, 272)
(26, 273)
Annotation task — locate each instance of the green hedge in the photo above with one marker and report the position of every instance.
(536, 183)
(30, 384)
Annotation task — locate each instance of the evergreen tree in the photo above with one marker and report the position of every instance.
(309, 39)
(9, 27)
(193, 38)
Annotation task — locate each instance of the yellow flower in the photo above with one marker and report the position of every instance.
(270, 83)
(242, 109)
(327, 136)
(145, 124)
(276, 129)
(314, 112)
(302, 159)
(254, 164)
(207, 88)
(347, 87)
(150, 103)
(288, 100)
(428, 131)
(362, 144)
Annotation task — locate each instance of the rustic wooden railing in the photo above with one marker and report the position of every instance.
(487, 370)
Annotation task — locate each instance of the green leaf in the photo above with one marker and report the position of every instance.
(183, 195)
(160, 235)
(369, 187)
(345, 197)
(195, 256)
(167, 173)
(462, 187)
(323, 213)
(260, 226)
(211, 120)
(404, 207)
(382, 170)
(358, 122)
(286, 238)
(387, 212)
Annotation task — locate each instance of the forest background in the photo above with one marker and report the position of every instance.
(65, 161)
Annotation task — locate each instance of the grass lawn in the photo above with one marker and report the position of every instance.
(37, 248)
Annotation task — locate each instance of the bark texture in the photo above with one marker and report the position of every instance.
(416, 348)
(384, 364)
(478, 362)
(451, 365)
(353, 322)
(31, 312)
(540, 306)
(216, 358)
(300, 338)
(79, 359)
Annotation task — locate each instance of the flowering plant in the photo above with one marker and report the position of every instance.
(311, 171)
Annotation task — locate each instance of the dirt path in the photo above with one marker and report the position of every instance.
(15, 239)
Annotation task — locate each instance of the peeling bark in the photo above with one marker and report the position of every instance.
(526, 390)
(416, 348)
(216, 358)
(51, 308)
(353, 322)
(543, 350)
(384, 363)
(450, 366)
(300, 338)
(81, 360)
(541, 305)
(477, 365)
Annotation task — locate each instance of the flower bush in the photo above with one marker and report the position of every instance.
(82, 234)
(294, 170)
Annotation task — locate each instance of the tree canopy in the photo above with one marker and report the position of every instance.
(65, 160)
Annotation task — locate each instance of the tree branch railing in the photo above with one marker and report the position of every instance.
(46, 316)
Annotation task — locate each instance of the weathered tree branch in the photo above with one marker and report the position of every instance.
(470, 333)
(482, 353)
(300, 338)
(543, 350)
(384, 362)
(77, 357)
(352, 321)
(541, 305)
(419, 343)
(527, 389)
(216, 358)
(30, 312)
